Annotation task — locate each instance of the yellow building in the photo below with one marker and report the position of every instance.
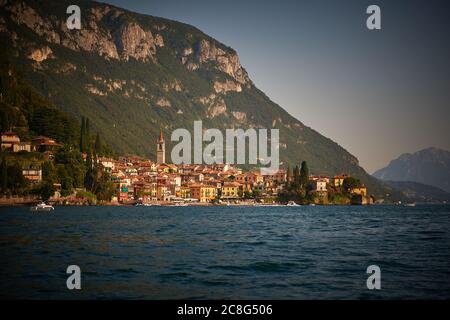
(185, 192)
(338, 181)
(230, 190)
(203, 193)
(362, 191)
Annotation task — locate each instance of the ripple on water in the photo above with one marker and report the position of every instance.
(216, 252)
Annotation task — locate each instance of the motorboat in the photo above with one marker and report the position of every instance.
(42, 207)
(292, 204)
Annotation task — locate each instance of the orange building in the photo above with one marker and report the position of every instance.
(203, 193)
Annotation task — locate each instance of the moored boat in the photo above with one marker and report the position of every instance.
(42, 207)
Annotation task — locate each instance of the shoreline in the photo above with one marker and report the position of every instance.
(5, 205)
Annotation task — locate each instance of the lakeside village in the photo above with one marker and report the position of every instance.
(44, 169)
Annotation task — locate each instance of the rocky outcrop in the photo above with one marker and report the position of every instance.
(40, 54)
(175, 86)
(207, 100)
(67, 68)
(224, 87)
(217, 108)
(226, 62)
(133, 42)
(159, 41)
(112, 85)
(163, 102)
(23, 14)
(215, 105)
(129, 40)
(94, 90)
(206, 51)
(239, 116)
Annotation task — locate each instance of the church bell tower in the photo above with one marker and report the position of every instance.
(161, 149)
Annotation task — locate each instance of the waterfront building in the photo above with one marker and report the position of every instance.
(362, 191)
(320, 185)
(338, 180)
(203, 193)
(230, 190)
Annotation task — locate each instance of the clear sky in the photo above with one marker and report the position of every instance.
(377, 93)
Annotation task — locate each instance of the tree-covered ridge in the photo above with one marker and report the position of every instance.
(27, 113)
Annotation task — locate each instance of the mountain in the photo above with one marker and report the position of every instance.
(429, 166)
(419, 192)
(134, 74)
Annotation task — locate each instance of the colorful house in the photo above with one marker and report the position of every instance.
(203, 193)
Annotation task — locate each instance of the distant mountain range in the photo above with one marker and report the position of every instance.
(133, 74)
(429, 166)
(419, 192)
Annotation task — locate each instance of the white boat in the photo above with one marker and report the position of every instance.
(42, 207)
(181, 204)
(410, 205)
(292, 204)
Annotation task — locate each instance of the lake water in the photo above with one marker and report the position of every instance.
(226, 252)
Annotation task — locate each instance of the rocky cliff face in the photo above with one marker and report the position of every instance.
(133, 74)
(121, 42)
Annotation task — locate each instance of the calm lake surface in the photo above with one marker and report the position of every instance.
(226, 252)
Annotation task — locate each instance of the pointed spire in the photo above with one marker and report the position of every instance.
(161, 136)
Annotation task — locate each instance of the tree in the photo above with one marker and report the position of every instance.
(88, 135)
(350, 183)
(83, 135)
(47, 190)
(89, 179)
(98, 145)
(66, 180)
(74, 165)
(105, 188)
(296, 179)
(48, 172)
(16, 180)
(304, 175)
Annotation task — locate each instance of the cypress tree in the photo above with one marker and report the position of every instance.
(304, 174)
(83, 135)
(88, 135)
(296, 176)
(98, 145)
(89, 177)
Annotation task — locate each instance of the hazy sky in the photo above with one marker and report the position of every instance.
(377, 93)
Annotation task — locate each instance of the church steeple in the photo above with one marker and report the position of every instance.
(161, 149)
